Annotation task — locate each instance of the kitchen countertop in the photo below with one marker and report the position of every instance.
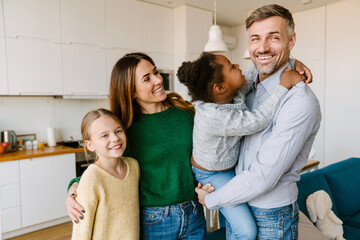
(35, 153)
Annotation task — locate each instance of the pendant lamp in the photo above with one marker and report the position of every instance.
(215, 43)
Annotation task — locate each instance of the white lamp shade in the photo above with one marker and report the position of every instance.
(215, 43)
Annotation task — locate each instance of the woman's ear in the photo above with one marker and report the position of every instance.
(90, 146)
(219, 88)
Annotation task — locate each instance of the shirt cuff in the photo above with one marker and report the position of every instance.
(210, 201)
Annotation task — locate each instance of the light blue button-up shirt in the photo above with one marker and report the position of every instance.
(271, 160)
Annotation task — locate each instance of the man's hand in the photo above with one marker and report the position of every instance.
(74, 209)
(303, 70)
(202, 191)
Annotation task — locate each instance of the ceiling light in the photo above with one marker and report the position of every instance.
(215, 43)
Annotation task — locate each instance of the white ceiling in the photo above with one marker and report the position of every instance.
(234, 12)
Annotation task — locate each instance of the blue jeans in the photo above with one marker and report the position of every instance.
(277, 223)
(240, 222)
(180, 221)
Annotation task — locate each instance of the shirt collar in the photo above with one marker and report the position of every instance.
(272, 81)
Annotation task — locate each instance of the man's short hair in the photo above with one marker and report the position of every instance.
(271, 11)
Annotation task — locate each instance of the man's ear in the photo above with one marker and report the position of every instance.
(89, 145)
(292, 41)
(218, 88)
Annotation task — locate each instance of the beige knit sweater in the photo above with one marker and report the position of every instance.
(111, 204)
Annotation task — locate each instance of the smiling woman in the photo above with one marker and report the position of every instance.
(159, 130)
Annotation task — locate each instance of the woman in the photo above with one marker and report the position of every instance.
(159, 129)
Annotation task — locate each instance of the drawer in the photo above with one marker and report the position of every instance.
(10, 219)
(9, 172)
(10, 195)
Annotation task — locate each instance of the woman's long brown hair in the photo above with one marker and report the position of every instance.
(122, 90)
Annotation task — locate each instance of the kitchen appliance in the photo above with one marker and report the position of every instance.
(80, 158)
(10, 137)
(168, 79)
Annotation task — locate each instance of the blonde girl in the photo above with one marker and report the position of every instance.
(108, 189)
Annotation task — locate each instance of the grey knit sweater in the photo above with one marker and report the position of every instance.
(218, 128)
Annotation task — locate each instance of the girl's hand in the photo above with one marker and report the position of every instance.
(74, 209)
(290, 78)
(303, 70)
(207, 187)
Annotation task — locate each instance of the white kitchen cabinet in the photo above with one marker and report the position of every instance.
(43, 187)
(158, 28)
(39, 19)
(83, 21)
(11, 219)
(3, 68)
(34, 67)
(10, 196)
(2, 32)
(9, 172)
(123, 24)
(84, 70)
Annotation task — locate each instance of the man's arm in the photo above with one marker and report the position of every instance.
(297, 121)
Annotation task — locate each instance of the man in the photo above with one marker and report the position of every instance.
(271, 160)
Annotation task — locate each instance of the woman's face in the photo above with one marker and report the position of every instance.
(149, 88)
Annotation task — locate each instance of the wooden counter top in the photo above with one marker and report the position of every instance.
(35, 153)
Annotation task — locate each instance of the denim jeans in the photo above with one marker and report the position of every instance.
(240, 222)
(180, 221)
(277, 223)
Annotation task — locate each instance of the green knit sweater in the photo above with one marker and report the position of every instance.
(162, 144)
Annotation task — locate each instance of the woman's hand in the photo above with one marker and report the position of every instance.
(74, 209)
(303, 70)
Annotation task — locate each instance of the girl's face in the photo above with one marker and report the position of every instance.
(107, 138)
(149, 87)
(233, 78)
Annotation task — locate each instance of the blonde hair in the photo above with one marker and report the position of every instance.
(89, 118)
(122, 90)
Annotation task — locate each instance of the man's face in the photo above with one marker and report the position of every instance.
(269, 45)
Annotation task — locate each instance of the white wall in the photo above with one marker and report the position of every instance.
(27, 115)
(327, 42)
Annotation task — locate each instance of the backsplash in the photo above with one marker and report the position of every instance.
(26, 115)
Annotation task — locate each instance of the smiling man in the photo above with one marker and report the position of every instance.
(271, 160)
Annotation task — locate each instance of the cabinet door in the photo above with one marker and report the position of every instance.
(34, 67)
(84, 70)
(38, 19)
(83, 21)
(10, 196)
(158, 28)
(10, 219)
(2, 32)
(43, 184)
(3, 70)
(9, 172)
(123, 24)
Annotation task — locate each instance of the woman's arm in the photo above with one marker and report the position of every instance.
(74, 209)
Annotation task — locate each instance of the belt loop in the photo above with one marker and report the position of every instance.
(194, 205)
(166, 211)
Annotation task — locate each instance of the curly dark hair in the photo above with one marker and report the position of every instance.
(200, 76)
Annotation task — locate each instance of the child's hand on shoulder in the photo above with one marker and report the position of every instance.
(290, 78)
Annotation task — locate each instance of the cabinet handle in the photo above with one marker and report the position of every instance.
(38, 93)
(33, 38)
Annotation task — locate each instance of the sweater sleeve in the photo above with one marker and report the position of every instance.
(86, 196)
(73, 181)
(218, 120)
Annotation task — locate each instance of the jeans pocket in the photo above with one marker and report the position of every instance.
(151, 216)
